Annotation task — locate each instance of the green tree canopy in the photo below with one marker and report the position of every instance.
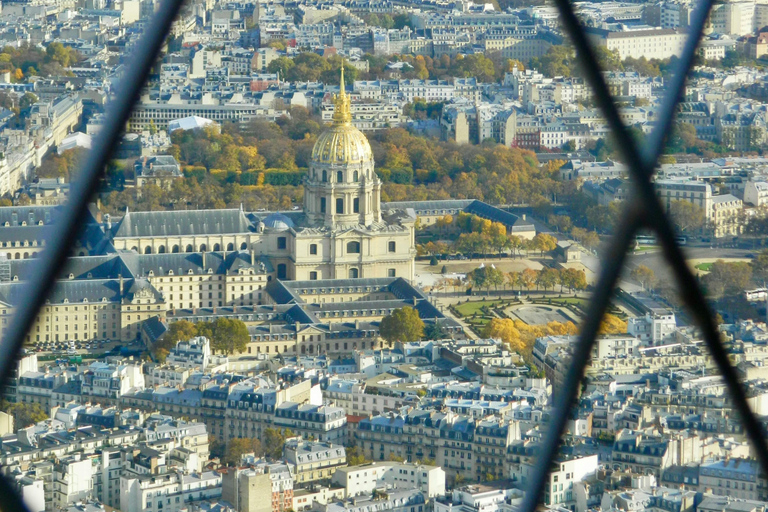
(240, 446)
(402, 324)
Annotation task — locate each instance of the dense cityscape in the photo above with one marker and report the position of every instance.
(341, 255)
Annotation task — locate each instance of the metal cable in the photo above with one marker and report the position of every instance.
(69, 223)
(644, 209)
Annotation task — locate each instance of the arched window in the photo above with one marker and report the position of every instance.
(353, 248)
(190, 248)
(230, 247)
(339, 177)
(175, 249)
(243, 246)
(147, 250)
(161, 249)
(354, 273)
(135, 249)
(355, 176)
(203, 248)
(325, 176)
(216, 247)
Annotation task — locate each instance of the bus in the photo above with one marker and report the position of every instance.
(756, 295)
(645, 240)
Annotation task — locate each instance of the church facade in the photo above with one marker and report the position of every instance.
(343, 233)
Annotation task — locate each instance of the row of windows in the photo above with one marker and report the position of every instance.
(340, 205)
(340, 176)
(176, 249)
(352, 247)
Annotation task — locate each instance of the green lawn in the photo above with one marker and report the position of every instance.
(466, 309)
(645, 248)
(704, 266)
(570, 300)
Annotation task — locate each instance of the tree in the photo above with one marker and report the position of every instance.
(562, 223)
(433, 331)
(238, 447)
(402, 324)
(229, 335)
(544, 243)
(505, 330)
(274, 441)
(182, 330)
(577, 279)
(528, 278)
(355, 457)
(686, 215)
(547, 278)
(24, 414)
(433, 261)
(612, 324)
(760, 266)
(27, 100)
(727, 278)
(643, 275)
(485, 277)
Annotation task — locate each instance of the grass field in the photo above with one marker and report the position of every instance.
(704, 266)
(466, 309)
(570, 300)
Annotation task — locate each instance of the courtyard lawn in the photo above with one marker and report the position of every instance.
(467, 309)
(704, 266)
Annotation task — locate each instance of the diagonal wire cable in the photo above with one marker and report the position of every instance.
(74, 213)
(643, 209)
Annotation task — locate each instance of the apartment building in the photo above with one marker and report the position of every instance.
(566, 471)
(72, 480)
(312, 461)
(460, 444)
(260, 488)
(411, 500)
(726, 215)
(648, 42)
(363, 479)
(756, 193)
(737, 478)
(721, 212)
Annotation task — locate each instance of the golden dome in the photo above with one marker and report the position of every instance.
(342, 143)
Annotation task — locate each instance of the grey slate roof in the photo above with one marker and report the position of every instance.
(182, 222)
(15, 215)
(74, 291)
(487, 211)
(81, 267)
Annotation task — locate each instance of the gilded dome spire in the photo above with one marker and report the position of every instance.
(341, 142)
(342, 113)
